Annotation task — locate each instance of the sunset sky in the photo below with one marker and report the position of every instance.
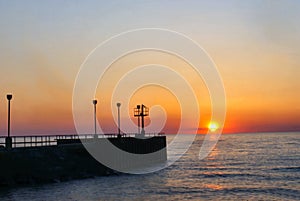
(254, 44)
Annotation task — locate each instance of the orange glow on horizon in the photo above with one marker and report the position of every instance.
(257, 57)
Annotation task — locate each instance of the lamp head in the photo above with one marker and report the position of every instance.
(118, 104)
(95, 102)
(9, 96)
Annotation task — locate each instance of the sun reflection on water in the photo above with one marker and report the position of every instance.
(214, 186)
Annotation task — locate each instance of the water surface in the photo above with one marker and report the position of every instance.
(261, 166)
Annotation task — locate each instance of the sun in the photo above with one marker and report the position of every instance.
(212, 126)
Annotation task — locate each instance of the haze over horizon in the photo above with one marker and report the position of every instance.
(254, 44)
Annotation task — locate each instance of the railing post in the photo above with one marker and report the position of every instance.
(8, 142)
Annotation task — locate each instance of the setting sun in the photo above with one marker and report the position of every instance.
(212, 126)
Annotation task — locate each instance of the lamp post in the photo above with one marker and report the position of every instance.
(8, 140)
(9, 97)
(95, 118)
(119, 131)
(143, 124)
(138, 110)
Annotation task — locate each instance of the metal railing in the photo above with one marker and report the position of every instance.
(51, 140)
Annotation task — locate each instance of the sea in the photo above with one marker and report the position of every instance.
(253, 166)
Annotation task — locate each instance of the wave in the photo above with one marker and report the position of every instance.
(296, 169)
(278, 192)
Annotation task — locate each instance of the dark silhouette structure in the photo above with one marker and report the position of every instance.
(95, 117)
(48, 158)
(8, 139)
(141, 111)
(119, 131)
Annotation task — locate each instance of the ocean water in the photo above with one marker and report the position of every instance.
(261, 166)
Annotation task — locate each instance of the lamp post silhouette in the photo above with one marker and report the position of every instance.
(119, 131)
(95, 118)
(142, 114)
(8, 140)
(138, 110)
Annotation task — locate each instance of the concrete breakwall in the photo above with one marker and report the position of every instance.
(70, 160)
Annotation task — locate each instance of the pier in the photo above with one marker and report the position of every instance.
(43, 159)
(28, 159)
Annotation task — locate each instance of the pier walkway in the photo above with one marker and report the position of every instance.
(51, 140)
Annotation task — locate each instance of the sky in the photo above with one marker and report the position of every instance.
(254, 44)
